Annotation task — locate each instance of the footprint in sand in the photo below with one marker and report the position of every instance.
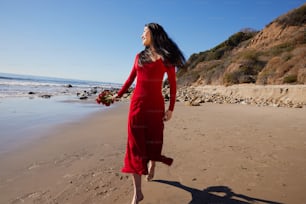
(34, 166)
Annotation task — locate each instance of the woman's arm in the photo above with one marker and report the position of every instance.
(172, 83)
(129, 80)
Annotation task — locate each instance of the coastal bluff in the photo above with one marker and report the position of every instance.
(274, 55)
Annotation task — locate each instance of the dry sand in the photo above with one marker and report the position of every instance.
(225, 154)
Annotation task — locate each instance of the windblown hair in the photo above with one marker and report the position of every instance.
(164, 46)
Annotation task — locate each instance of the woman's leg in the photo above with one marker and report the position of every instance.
(151, 170)
(138, 196)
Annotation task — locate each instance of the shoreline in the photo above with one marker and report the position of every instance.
(53, 159)
(25, 119)
(241, 151)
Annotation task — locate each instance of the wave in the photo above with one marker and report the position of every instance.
(16, 84)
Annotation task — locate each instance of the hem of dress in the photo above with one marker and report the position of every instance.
(124, 170)
(165, 160)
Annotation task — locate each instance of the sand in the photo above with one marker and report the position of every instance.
(222, 154)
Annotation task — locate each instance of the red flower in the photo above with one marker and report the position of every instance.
(105, 97)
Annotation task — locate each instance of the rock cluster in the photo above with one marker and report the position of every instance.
(193, 97)
(86, 94)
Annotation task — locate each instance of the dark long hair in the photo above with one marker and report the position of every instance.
(164, 46)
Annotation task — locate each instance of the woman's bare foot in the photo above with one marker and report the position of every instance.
(151, 171)
(137, 198)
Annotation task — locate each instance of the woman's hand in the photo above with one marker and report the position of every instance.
(115, 97)
(168, 115)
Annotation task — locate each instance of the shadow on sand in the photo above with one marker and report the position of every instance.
(209, 195)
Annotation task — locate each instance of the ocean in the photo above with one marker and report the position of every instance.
(15, 85)
(25, 114)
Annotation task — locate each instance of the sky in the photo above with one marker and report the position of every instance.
(98, 39)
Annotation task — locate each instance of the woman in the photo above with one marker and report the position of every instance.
(147, 108)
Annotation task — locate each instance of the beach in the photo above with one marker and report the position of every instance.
(229, 153)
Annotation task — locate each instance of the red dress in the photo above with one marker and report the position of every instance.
(145, 120)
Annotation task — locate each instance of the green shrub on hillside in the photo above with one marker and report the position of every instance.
(278, 49)
(235, 39)
(242, 75)
(221, 50)
(231, 78)
(250, 55)
(295, 18)
(213, 72)
(290, 79)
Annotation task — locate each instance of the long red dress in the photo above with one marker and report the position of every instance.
(145, 120)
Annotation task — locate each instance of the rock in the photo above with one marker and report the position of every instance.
(195, 103)
(46, 96)
(83, 97)
(94, 90)
(298, 106)
(68, 86)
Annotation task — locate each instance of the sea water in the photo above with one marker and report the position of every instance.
(25, 115)
(15, 85)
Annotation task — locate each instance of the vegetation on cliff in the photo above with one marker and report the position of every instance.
(274, 55)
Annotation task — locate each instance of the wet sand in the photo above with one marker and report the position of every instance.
(222, 154)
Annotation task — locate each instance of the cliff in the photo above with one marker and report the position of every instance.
(273, 56)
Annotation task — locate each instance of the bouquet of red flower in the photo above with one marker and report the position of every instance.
(105, 97)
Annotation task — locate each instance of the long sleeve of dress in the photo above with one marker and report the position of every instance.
(172, 82)
(129, 80)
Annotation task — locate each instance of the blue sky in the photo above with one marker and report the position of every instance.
(98, 39)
